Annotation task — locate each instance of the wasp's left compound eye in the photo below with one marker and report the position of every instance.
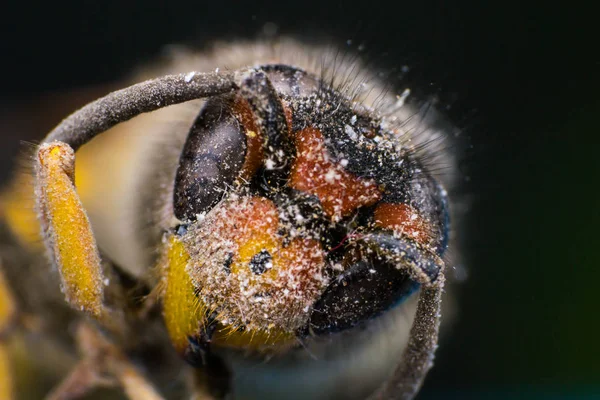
(222, 148)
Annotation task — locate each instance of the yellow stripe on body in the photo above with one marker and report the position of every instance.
(69, 233)
(183, 313)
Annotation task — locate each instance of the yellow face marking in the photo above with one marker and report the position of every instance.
(271, 337)
(183, 313)
(263, 241)
(69, 233)
(255, 339)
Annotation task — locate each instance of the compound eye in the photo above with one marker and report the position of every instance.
(364, 291)
(220, 149)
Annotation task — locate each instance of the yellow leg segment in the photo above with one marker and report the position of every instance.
(67, 230)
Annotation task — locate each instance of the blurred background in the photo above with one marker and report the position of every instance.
(521, 81)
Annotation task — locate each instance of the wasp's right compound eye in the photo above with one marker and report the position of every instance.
(222, 148)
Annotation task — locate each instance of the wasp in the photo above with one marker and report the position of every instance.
(260, 221)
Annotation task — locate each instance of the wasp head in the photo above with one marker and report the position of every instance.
(305, 213)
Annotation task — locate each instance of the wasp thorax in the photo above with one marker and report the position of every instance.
(247, 272)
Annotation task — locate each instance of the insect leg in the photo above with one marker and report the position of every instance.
(67, 230)
(65, 225)
(122, 105)
(423, 265)
(419, 354)
(102, 365)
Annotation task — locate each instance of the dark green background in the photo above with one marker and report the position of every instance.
(521, 80)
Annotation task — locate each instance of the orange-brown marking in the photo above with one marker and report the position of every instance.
(290, 281)
(370, 134)
(254, 150)
(254, 228)
(339, 191)
(403, 219)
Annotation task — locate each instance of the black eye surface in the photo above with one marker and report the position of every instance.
(211, 160)
(362, 292)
